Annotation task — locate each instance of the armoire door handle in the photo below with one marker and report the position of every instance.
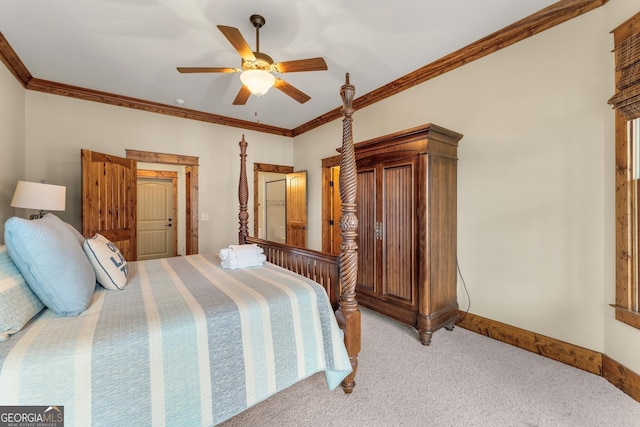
(377, 232)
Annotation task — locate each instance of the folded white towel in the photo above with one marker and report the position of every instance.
(239, 256)
(247, 250)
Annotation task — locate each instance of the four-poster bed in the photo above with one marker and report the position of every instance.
(182, 340)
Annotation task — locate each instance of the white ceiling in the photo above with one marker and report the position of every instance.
(132, 47)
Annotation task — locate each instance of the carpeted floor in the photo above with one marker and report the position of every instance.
(462, 379)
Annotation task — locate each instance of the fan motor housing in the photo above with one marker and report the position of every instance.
(262, 62)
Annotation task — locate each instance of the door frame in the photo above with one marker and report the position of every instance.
(191, 182)
(173, 176)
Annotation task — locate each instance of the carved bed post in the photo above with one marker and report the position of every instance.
(348, 314)
(243, 194)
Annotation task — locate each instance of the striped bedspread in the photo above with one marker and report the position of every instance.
(186, 343)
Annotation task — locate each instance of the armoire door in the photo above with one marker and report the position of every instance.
(367, 232)
(397, 237)
(386, 237)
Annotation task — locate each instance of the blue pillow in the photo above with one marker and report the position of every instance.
(52, 262)
(18, 304)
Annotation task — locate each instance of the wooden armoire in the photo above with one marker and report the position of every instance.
(406, 207)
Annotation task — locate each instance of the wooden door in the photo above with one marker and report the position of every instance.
(109, 200)
(336, 211)
(156, 218)
(297, 209)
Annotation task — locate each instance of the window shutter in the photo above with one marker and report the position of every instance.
(627, 96)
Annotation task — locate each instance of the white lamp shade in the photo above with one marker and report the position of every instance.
(36, 195)
(257, 81)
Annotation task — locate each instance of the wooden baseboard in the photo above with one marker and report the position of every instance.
(621, 377)
(579, 357)
(561, 351)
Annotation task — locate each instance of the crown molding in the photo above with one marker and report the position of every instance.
(153, 107)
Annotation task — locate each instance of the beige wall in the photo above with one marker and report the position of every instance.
(535, 179)
(12, 159)
(58, 127)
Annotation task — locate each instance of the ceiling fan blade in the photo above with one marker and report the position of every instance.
(242, 96)
(309, 64)
(296, 94)
(239, 43)
(208, 70)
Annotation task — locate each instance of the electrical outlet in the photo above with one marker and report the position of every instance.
(204, 217)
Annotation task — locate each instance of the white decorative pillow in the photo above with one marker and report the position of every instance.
(52, 263)
(110, 266)
(18, 304)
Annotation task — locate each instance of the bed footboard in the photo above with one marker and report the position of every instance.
(320, 267)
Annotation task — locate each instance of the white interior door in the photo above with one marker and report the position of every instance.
(156, 218)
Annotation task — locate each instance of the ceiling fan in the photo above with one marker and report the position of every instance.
(257, 67)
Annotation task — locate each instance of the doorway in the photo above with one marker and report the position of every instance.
(294, 205)
(189, 164)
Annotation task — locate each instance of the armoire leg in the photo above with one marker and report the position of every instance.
(425, 337)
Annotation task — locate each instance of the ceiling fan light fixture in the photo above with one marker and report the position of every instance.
(257, 81)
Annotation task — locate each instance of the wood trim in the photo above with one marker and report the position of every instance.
(628, 316)
(621, 377)
(146, 173)
(168, 159)
(191, 178)
(10, 59)
(535, 23)
(625, 202)
(266, 167)
(582, 358)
